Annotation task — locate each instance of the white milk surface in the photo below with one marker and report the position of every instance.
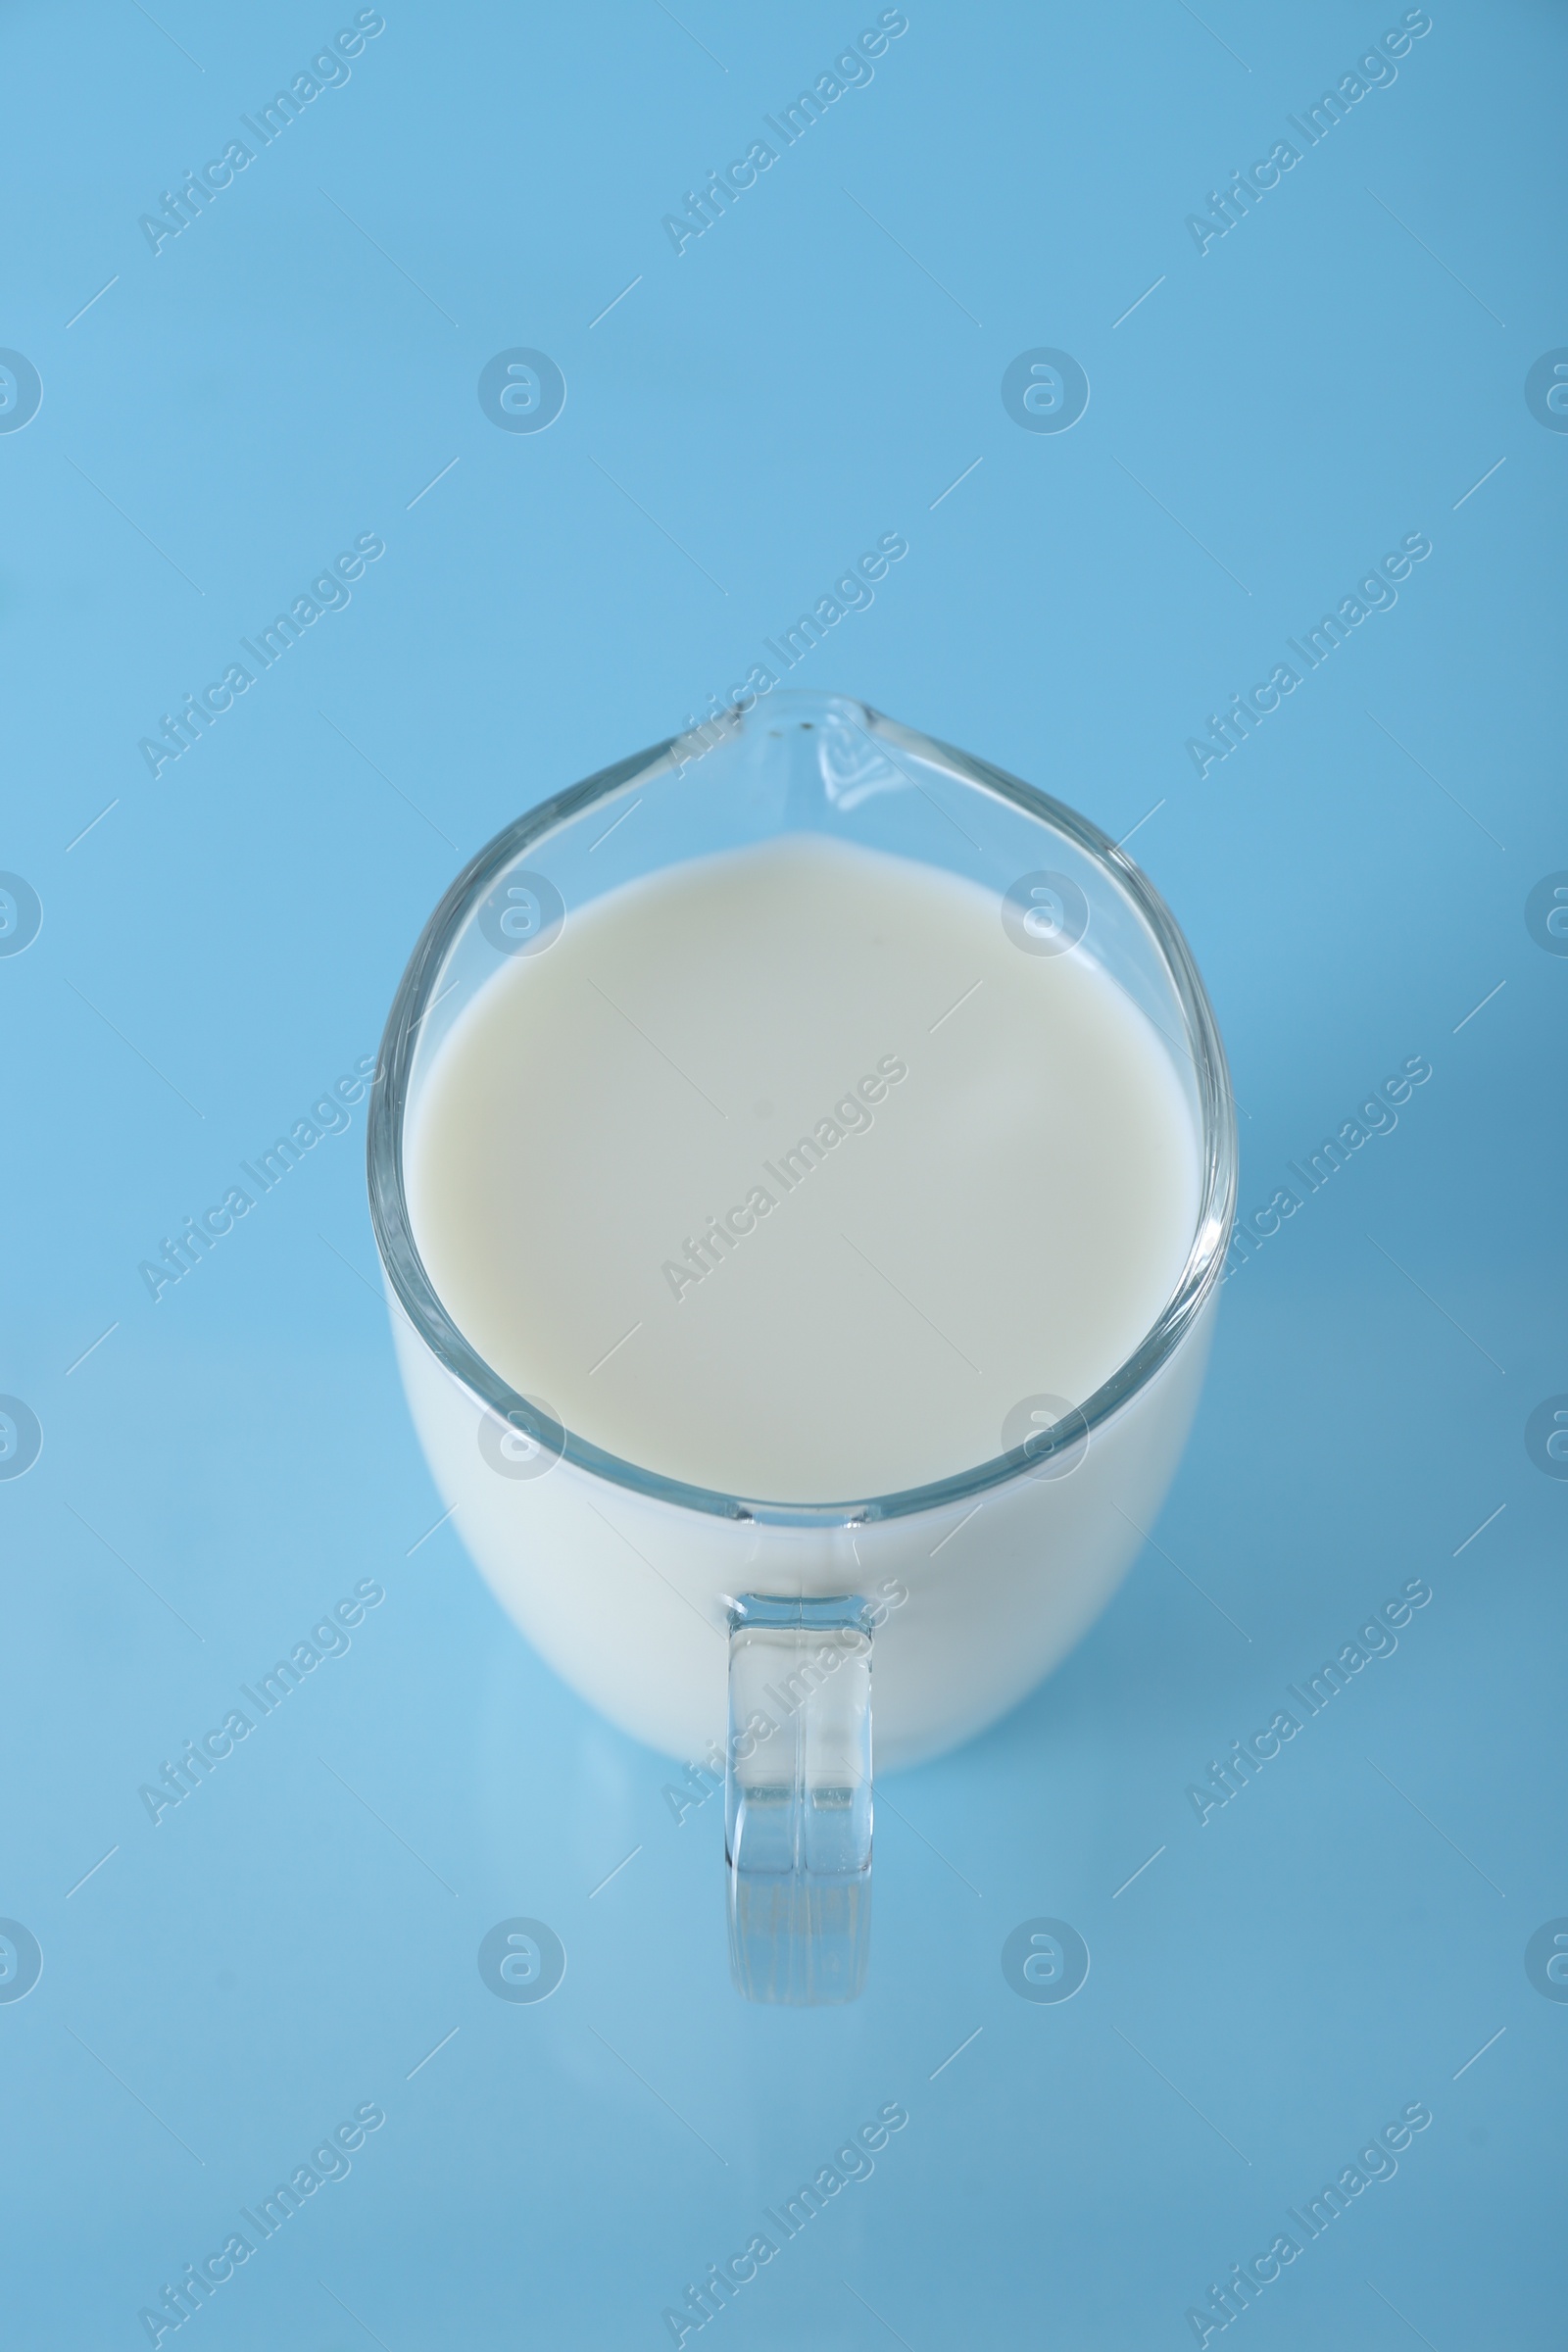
(786, 1172)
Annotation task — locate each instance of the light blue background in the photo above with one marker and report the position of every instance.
(226, 941)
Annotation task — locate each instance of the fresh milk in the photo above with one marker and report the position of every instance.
(786, 1173)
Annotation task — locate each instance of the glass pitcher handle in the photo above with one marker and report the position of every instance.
(798, 1797)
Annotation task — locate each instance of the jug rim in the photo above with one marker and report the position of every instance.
(413, 1291)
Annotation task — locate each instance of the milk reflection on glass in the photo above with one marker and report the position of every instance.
(801, 1164)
